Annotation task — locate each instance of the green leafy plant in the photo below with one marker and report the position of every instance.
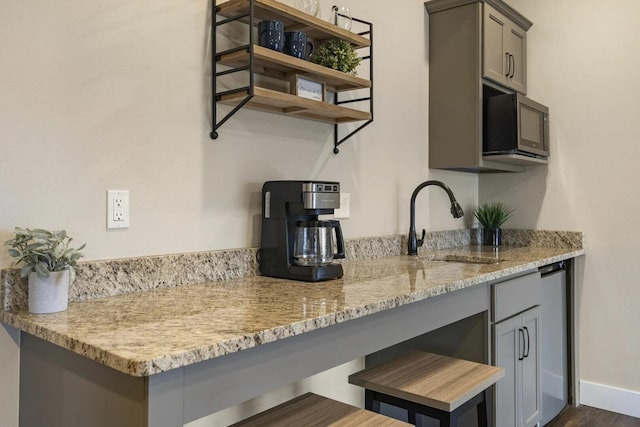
(43, 251)
(492, 215)
(337, 54)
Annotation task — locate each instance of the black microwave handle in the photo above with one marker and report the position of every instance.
(545, 130)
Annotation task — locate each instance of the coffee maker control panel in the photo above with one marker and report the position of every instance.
(321, 187)
(321, 195)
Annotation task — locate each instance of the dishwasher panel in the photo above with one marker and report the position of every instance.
(555, 376)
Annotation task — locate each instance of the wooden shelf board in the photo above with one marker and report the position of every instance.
(282, 65)
(292, 105)
(293, 19)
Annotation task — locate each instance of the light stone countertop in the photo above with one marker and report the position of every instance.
(145, 333)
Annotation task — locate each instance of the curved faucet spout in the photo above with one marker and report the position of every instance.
(456, 211)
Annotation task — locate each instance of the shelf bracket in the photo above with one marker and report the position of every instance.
(216, 56)
(337, 140)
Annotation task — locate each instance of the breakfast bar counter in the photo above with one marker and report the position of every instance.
(149, 332)
(196, 349)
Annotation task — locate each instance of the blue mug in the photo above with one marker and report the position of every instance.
(296, 44)
(271, 35)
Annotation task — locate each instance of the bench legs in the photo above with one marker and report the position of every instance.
(372, 400)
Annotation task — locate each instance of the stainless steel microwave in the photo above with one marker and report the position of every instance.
(515, 124)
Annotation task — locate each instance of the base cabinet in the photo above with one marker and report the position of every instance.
(516, 349)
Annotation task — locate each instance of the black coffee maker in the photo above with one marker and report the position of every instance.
(295, 243)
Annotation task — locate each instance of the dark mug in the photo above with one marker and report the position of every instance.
(271, 35)
(296, 44)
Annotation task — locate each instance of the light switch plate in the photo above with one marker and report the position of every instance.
(344, 211)
(117, 209)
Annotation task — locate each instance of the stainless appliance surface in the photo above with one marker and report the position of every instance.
(515, 124)
(553, 334)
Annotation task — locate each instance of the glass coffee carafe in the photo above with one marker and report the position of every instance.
(313, 244)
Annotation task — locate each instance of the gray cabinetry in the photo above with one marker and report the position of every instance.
(460, 64)
(504, 50)
(530, 386)
(506, 337)
(516, 338)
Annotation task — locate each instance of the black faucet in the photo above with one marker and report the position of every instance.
(456, 211)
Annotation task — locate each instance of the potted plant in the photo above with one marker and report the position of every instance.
(491, 216)
(49, 263)
(337, 54)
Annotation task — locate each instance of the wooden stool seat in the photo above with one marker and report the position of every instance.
(311, 410)
(430, 384)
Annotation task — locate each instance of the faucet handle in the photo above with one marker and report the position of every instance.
(421, 241)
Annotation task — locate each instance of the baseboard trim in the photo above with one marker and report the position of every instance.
(613, 399)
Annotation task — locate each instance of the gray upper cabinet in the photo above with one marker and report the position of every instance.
(504, 50)
(468, 50)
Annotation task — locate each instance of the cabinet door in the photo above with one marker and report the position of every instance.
(516, 47)
(507, 349)
(504, 50)
(531, 388)
(495, 60)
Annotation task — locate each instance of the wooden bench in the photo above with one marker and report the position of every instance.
(311, 410)
(437, 386)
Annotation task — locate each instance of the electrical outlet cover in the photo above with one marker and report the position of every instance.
(117, 209)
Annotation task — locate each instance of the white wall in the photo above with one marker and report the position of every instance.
(584, 64)
(114, 95)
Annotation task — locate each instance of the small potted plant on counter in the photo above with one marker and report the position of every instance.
(49, 263)
(491, 216)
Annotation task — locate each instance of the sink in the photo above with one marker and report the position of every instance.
(469, 259)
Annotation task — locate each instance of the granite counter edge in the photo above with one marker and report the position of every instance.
(200, 353)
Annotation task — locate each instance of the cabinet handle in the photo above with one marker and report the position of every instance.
(513, 68)
(507, 57)
(520, 348)
(528, 343)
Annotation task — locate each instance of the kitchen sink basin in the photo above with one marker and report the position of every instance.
(469, 259)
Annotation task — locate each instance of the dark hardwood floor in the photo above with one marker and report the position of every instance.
(585, 416)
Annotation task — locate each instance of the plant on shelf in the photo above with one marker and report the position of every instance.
(48, 262)
(337, 54)
(491, 216)
(43, 251)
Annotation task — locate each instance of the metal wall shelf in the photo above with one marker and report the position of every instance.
(255, 59)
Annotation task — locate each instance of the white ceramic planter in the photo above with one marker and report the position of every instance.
(49, 294)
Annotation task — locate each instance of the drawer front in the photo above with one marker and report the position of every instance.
(514, 296)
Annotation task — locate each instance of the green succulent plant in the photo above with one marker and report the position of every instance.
(43, 251)
(492, 215)
(337, 54)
